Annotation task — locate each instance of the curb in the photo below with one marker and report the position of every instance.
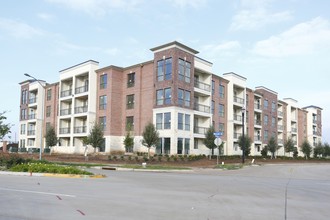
(52, 175)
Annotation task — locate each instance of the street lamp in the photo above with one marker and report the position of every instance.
(243, 136)
(41, 112)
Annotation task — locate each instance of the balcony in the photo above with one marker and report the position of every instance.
(257, 106)
(257, 138)
(237, 135)
(32, 100)
(238, 100)
(200, 130)
(202, 86)
(32, 116)
(257, 122)
(314, 132)
(79, 129)
(81, 89)
(64, 130)
(279, 113)
(294, 130)
(31, 132)
(65, 112)
(66, 93)
(280, 127)
(280, 141)
(237, 117)
(80, 109)
(202, 108)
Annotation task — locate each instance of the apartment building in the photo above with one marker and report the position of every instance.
(177, 91)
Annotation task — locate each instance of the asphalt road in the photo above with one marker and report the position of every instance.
(265, 192)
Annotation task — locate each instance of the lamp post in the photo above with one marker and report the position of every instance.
(243, 136)
(41, 113)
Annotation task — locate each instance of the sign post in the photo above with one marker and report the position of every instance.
(218, 142)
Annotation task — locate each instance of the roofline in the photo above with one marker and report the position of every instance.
(235, 74)
(313, 106)
(265, 88)
(173, 43)
(88, 61)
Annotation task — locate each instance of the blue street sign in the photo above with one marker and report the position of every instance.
(218, 134)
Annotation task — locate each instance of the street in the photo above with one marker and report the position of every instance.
(293, 191)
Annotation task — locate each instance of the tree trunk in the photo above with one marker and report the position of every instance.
(148, 153)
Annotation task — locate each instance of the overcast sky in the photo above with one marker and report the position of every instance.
(283, 45)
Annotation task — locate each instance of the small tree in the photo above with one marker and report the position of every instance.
(51, 138)
(209, 139)
(289, 145)
(306, 148)
(246, 142)
(264, 151)
(129, 142)
(150, 137)
(95, 137)
(4, 128)
(318, 150)
(272, 146)
(326, 150)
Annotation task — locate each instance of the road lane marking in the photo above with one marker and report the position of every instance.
(36, 192)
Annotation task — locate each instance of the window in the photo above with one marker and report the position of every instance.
(160, 100)
(221, 110)
(23, 126)
(265, 104)
(273, 106)
(273, 121)
(47, 126)
(130, 101)
(22, 143)
(187, 122)
(221, 127)
(103, 122)
(187, 98)
(130, 123)
(184, 71)
(266, 120)
(48, 111)
(103, 102)
(160, 97)
(195, 144)
(49, 94)
(221, 91)
(180, 97)
(265, 135)
(24, 96)
(180, 121)
(130, 80)
(180, 146)
(213, 85)
(160, 70)
(23, 114)
(186, 146)
(167, 92)
(159, 121)
(168, 69)
(167, 120)
(212, 107)
(103, 81)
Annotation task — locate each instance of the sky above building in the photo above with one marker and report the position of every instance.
(283, 45)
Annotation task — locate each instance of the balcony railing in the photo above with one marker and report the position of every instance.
(64, 131)
(280, 113)
(257, 106)
(80, 109)
(257, 138)
(294, 129)
(280, 141)
(65, 112)
(66, 93)
(257, 122)
(32, 116)
(202, 108)
(280, 127)
(32, 100)
(200, 130)
(79, 129)
(237, 117)
(238, 100)
(314, 132)
(203, 86)
(237, 135)
(81, 89)
(31, 132)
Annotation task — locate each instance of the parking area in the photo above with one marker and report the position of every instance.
(300, 191)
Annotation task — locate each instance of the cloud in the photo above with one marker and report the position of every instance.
(45, 16)
(228, 48)
(98, 7)
(304, 38)
(188, 3)
(254, 15)
(19, 29)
